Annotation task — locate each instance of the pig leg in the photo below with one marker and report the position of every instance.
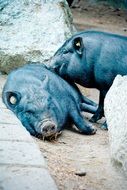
(104, 126)
(100, 111)
(84, 98)
(88, 101)
(81, 124)
(88, 108)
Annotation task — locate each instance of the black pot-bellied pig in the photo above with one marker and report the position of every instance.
(92, 59)
(44, 102)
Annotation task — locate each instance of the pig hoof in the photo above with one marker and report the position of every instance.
(98, 115)
(93, 120)
(91, 131)
(104, 126)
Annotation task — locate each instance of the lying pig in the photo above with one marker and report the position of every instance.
(44, 102)
(92, 59)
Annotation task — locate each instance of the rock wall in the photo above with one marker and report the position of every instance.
(32, 30)
(115, 107)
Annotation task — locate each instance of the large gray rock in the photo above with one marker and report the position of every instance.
(115, 107)
(32, 30)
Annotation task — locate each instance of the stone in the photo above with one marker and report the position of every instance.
(2, 82)
(24, 178)
(11, 132)
(8, 117)
(32, 30)
(20, 153)
(2, 105)
(115, 106)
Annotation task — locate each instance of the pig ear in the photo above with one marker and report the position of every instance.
(12, 98)
(78, 45)
(45, 81)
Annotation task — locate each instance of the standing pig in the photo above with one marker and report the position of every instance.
(92, 59)
(44, 102)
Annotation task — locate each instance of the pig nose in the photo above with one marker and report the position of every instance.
(49, 128)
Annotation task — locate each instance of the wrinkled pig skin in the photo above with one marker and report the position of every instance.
(44, 102)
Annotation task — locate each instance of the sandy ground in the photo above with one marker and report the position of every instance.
(74, 153)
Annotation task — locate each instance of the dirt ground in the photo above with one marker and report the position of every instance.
(100, 17)
(74, 154)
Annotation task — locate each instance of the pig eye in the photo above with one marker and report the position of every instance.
(56, 69)
(70, 51)
(30, 112)
(65, 51)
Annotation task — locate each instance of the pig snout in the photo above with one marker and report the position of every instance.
(48, 128)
